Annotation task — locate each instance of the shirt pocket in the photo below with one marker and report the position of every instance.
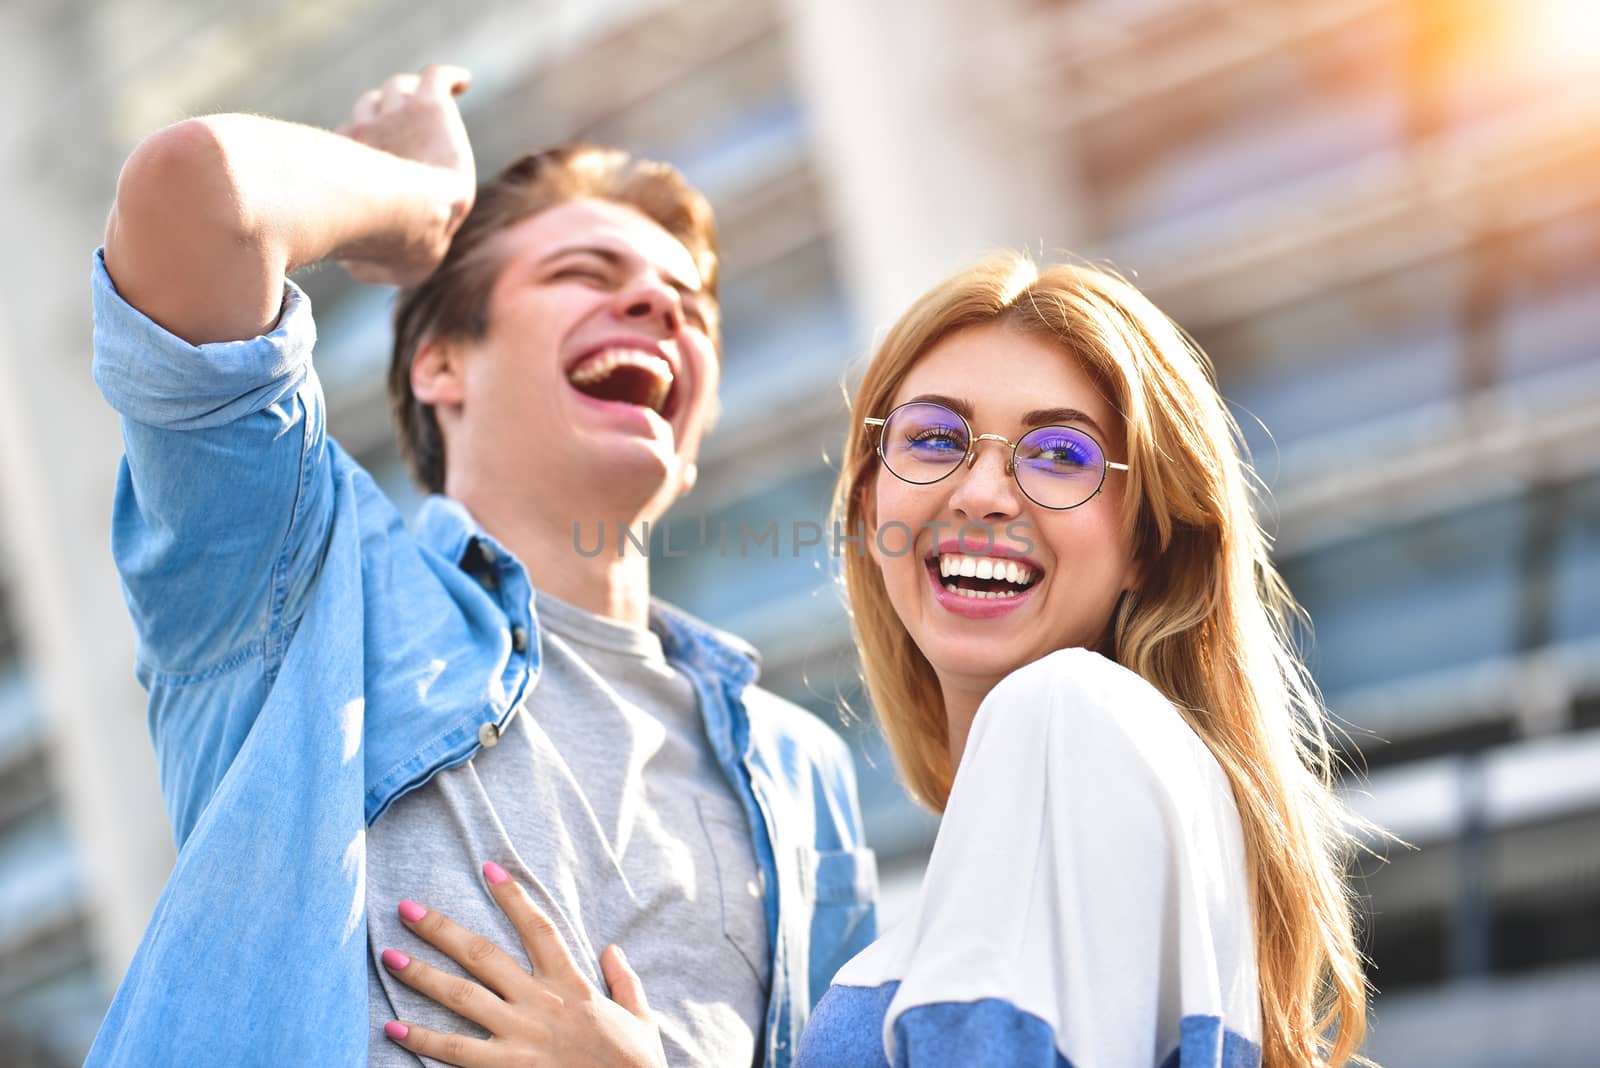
(740, 898)
(841, 886)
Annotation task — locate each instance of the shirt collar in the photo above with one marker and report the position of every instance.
(445, 526)
(697, 643)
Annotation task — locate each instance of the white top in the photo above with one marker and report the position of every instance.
(1087, 890)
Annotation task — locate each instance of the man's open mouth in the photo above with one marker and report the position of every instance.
(983, 577)
(626, 375)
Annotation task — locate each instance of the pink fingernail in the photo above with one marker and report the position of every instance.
(411, 912)
(495, 873)
(396, 1029)
(395, 960)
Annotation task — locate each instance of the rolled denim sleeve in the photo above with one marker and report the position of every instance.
(153, 377)
(222, 501)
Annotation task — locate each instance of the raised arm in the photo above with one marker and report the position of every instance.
(211, 213)
(227, 493)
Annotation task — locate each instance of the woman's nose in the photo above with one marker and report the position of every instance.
(984, 487)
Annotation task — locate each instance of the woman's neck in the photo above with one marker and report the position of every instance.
(961, 700)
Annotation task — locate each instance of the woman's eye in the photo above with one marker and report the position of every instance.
(1066, 458)
(935, 439)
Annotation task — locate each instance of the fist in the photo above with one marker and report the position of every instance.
(415, 117)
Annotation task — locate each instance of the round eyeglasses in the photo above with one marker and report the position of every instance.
(1056, 467)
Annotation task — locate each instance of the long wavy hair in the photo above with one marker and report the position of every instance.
(1211, 625)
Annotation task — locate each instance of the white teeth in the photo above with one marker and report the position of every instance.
(984, 567)
(599, 366)
(982, 595)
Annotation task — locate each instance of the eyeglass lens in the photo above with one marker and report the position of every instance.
(1056, 466)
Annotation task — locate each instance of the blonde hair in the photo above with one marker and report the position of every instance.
(1209, 625)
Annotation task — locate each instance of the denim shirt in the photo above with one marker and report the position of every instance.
(308, 660)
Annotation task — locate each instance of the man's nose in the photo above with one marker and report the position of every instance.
(649, 299)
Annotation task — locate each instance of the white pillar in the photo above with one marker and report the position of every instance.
(59, 447)
(929, 153)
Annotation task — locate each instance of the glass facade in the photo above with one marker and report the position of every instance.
(1491, 581)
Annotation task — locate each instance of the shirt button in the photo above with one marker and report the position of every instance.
(489, 735)
(519, 638)
(486, 552)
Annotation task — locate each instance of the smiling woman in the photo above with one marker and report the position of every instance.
(1091, 678)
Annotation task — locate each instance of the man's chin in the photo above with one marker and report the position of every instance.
(628, 475)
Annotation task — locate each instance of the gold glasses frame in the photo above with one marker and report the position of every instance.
(1011, 460)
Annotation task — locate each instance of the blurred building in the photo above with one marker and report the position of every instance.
(1380, 217)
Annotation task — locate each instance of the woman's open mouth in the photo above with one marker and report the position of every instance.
(983, 577)
(980, 585)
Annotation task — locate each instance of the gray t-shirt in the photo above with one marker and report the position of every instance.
(604, 799)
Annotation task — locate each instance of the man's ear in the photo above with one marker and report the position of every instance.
(437, 376)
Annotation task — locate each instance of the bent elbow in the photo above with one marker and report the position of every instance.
(178, 186)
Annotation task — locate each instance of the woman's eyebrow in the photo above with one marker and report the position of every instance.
(1054, 416)
(1036, 418)
(961, 407)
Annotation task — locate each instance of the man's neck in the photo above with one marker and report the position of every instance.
(613, 582)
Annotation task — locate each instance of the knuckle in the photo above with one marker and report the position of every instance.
(453, 1048)
(480, 949)
(541, 925)
(458, 993)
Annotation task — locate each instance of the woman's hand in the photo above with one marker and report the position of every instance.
(550, 1017)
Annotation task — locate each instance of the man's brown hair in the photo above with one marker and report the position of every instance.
(453, 302)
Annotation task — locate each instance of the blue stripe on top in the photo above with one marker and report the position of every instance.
(1202, 1040)
(846, 1031)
